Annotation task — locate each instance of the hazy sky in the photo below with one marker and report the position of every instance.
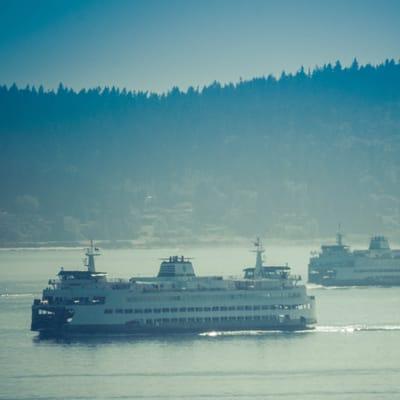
(156, 44)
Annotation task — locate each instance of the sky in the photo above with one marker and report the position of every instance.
(155, 45)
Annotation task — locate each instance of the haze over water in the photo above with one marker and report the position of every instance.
(352, 354)
(161, 123)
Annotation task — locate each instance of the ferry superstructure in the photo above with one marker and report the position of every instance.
(176, 300)
(337, 265)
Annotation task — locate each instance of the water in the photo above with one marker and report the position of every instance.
(354, 353)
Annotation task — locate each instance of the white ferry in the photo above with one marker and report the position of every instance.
(266, 298)
(337, 265)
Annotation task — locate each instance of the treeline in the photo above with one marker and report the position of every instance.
(285, 157)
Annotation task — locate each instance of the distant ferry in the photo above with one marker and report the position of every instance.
(266, 298)
(337, 265)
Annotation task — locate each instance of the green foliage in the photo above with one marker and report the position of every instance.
(288, 157)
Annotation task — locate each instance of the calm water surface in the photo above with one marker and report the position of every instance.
(354, 353)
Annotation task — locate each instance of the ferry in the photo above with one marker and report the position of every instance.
(338, 265)
(175, 301)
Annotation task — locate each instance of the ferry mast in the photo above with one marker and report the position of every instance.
(91, 253)
(259, 259)
(339, 236)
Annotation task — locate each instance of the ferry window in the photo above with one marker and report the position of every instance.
(128, 311)
(273, 307)
(231, 308)
(207, 309)
(248, 308)
(138, 311)
(215, 308)
(232, 318)
(174, 309)
(149, 321)
(224, 318)
(157, 310)
(240, 318)
(215, 319)
(108, 311)
(223, 308)
(98, 300)
(165, 310)
(248, 317)
(256, 308)
(147, 310)
(240, 308)
(265, 317)
(257, 317)
(199, 309)
(207, 319)
(119, 311)
(165, 320)
(199, 319)
(45, 312)
(182, 309)
(174, 319)
(182, 319)
(190, 309)
(191, 319)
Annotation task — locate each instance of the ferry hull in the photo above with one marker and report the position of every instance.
(56, 324)
(357, 282)
(126, 329)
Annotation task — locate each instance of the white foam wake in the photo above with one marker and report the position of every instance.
(12, 295)
(317, 329)
(356, 328)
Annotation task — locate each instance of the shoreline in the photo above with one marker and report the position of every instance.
(360, 241)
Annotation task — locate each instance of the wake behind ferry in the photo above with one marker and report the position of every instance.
(176, 300)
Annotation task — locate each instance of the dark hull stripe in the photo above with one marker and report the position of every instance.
(157, 330)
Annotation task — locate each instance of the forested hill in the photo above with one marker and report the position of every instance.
(288, 157)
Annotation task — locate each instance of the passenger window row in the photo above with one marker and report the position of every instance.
(76, 300)
(213, 319)
(207, 309)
